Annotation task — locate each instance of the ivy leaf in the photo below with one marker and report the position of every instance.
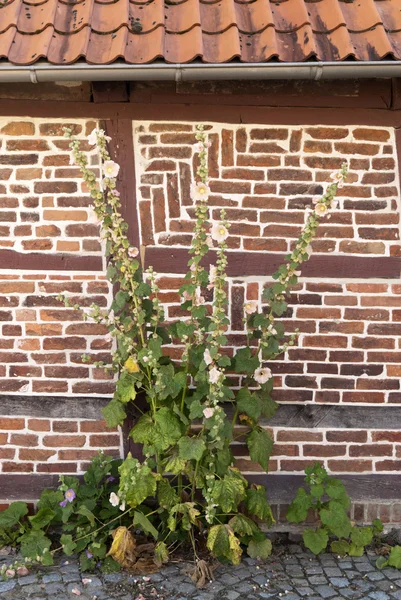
(243, 525)
(228, 492)
(143, 523)
(34, 543)
(336, 519)
(114, 413)
(260, 549)
(161, 554)
(12, 514)
(245, 362)
(316, 541)
(42, 518)
(260, 445)
(191, 448)
(299, 507)
(166, 494)
(340, 547)
(248, 403)
(257, 504)
(68, 544)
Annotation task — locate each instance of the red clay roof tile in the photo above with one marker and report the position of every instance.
(213, 31)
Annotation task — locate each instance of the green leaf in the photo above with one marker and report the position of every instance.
(155, 345)
(336, 491)
(336, 519)
(162, 432)
(249, 404)
(245, 362)
(242, 525)
(377, 526)
(34, 544)
(278, 307)
(355, 550)
(259, 549)
(42, 518)
(316, 541)
(257, 504)
(196, 410)
(224, 361)
(381, 562)
(12, 514)
(268, 406)
(191, 448)
(175, 465)
(114, 413)
(68, 544)
(85, 512)
(361, 536)
(222, 543)
(340, 547)
(143, 523)
(228, 492)
(109, 565)
(161, 554)
(394, 560)
(50, 499)
(260, 445)
(166, 494)
(138, 480)
(86, 563)
(299, 507)
(125, 389)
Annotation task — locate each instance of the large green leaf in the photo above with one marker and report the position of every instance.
(166, 494)
(175, 465)
(161, 432)
(125, 389)
(260, 549)
(114, 413)
(68, 544)
(228, 492)
(336, 491)
(336, 519)
(242, 525)
(12, 514)
(249, 404)
(340, 547)
(268, 406)
(394, 560)
(245, 361)
(191, 448)
(34, 544)
(257, 504)
(299, 507)
(50, 499)
(137, 480)
(43, 517)
(316, 541)
(161, 554)
(260, 445)
(223, 543)
(143, 523)
(361, 536)
(88, 514)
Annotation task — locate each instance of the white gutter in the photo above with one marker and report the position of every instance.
(160, 71)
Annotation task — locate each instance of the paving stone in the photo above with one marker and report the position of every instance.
(317, 580)
(377, 595)
(339, 581)
(333, 572)
(325, 591)
(27, 579)
(51, 577)
(6, 586)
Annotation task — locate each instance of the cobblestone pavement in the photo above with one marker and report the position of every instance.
(294, 575)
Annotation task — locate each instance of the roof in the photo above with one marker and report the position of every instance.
(212, 31)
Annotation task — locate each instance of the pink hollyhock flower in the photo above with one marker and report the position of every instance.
(111, 168)
(338, 178)
(251, 307)
(321, 209)
(214, 375)
(208, 412)
(219, 232)
(262, 375)
(133, 252)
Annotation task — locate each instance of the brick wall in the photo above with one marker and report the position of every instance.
(265, 177)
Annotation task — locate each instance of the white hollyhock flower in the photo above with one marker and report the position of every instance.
(251, 307)
(308, 250)
(208, 413)
(198, 147)
(111, 168)
(334, 204)
(321, 209)
(199, 191)
(199, 299)
(219, 232)
(262, 375)
(92, 137)
(122, 506)
(209, 241)
(338, 178)
(214, 375)
(72, 159)
(114, 499)
(316, 199)
(207, 357)
(212, 277)
(133, 252)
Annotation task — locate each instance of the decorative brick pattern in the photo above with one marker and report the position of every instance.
(32, 445)
(43, 202)
(265, 178)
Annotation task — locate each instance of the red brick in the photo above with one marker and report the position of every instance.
(388, 465)
(327, 133)
(346, 436)
(323, 147)
(350, 466)
(104, 441)
(39, 425)
(293, 435)
(14, 467)
(57, 468)
(49, 386)
(371, 450)
(11, 424)
(364, 397)
(25, 371)
(34, 454)
(373, 135)
(295, 465)
(64, 441)
(66, 372)
(362, 247)
(24, 439)
(320, 450)
(355, 148)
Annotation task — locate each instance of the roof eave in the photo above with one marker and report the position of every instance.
(160, 71)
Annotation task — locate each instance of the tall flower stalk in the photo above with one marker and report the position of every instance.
(187, 428)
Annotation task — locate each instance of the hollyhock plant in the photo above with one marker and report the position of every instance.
(189, 393)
